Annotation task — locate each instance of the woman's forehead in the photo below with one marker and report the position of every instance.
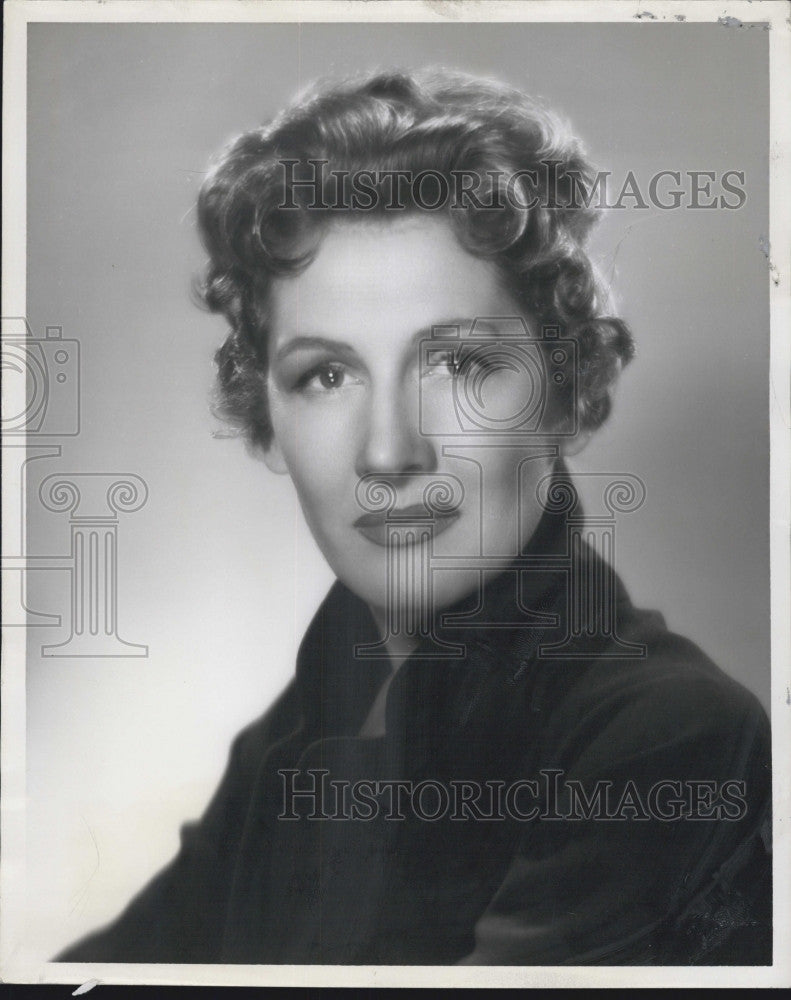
(385, 280)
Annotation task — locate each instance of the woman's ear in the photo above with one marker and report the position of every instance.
(573, 445)
(274, 459)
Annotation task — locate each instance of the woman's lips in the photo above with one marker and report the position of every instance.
(411, 521)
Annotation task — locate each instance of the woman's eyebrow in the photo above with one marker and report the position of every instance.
(316, 342)
(305, 343)
(441, 330)
(445, 328)
(486, 326)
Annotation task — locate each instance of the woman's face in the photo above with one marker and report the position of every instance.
(348, 399)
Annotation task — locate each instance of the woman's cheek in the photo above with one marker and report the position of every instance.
(317, 437)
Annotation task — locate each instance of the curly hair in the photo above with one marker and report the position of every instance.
(439, 122)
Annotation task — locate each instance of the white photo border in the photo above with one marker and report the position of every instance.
(17, 15)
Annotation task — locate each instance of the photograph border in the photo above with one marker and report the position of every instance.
(741, 15)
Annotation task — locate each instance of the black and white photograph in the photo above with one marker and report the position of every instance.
(395, 448)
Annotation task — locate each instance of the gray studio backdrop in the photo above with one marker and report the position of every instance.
(216, 574)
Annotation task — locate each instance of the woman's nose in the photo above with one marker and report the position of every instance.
(391, 441)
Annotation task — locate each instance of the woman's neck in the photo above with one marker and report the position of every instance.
(398, 646)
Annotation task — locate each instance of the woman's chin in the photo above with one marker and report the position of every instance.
(410, 602)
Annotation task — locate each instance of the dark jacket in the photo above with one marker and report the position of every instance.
(646, 876)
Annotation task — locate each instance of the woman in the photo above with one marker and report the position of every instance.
(487, 754)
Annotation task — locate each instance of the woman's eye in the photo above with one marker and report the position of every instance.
(324, 378)
(454, 362)
(442, 363)
(330, 378)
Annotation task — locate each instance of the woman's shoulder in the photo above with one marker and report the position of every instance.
(276, 723)
(667, 699)
(673, 673)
